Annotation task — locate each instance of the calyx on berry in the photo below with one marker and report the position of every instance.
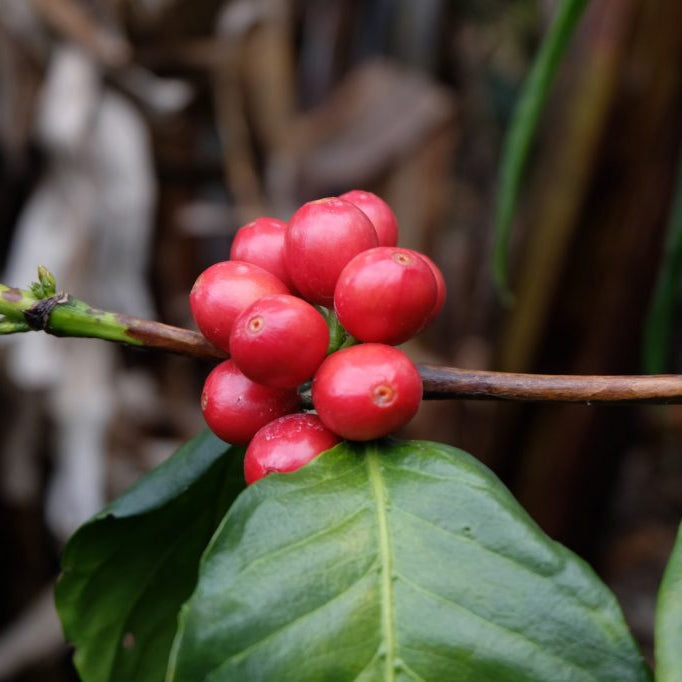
(279, 341)
(224, 290)
(385, 295)
(366, 391)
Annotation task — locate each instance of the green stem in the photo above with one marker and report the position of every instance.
(339, 338)
(63, 315)
(13, 326)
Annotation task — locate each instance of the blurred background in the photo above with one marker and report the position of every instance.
(136, 137)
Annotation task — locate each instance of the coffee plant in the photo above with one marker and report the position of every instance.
(296, 539)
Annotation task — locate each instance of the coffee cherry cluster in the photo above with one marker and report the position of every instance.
(334, 266)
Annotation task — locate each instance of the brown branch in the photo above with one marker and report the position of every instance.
(173, 339)
(62, 315)
(441, 383)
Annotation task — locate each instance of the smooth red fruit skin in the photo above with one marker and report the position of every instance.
(261, 242)
(286, 444)
(321, 238)
(440, 288)
(279, 341)
(224, 290)
(366, 391)
(379, 212)
(235, 407)
(385, 295)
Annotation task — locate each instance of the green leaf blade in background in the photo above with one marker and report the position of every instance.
(128, 570)
(666, 293)
(396, 561)
(522, 130)
(668, 640)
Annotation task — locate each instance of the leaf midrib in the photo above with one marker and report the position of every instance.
(385, 563)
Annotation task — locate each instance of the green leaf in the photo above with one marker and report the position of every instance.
(522, 130)
(128, 570)
(666, 294)
(397, 561)
(668, 643)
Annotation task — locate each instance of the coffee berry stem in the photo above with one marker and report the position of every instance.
(339, 338)
(43, 308)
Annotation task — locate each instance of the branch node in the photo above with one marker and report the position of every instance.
(38, 315)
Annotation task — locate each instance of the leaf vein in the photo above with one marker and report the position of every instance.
(414, 675)
(465, 539)
(510, 631)
(385, 555)
(278, 631)
(301, 542)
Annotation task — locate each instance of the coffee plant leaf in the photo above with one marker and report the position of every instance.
(126, 572)
(389, 562)
(668, 641)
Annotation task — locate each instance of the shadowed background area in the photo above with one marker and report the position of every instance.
(137, 136)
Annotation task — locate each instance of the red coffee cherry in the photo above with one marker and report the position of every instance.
(261, 242)
(379, 212)
(286, 444)
(235, 407)
(366, 391)
(222, 291)
(440, 288)
(321, 238)
(385, 295)
(279, 341)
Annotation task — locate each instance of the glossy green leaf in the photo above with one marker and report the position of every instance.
(392, 562)
(669, 619)
(128, 570)
(667, 291)
(522, 130)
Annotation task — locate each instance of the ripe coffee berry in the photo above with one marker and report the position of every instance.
(286, 444)
(261, 242)
(223, 290)
(235, 407)
(366, 391)
(385, 295)
(279, 341)
(440, 288)
(379, 212)
(321, 238)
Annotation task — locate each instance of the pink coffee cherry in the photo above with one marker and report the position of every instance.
(366, 391)
(235, 407)
(279, 341)
(379, 212)
(224, 290)
(385, 295)
(286, 444)
(261, 242)
(321, 238)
